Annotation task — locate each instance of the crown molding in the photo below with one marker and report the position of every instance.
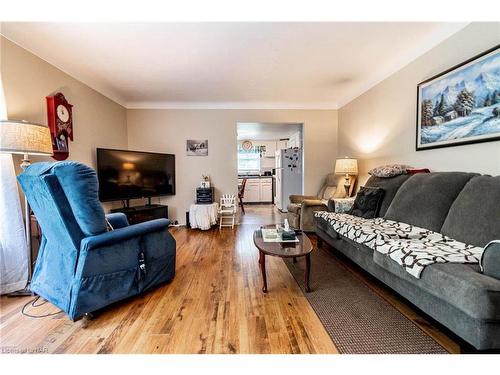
(405, 59)
(419, 49)
(110, 94)
(230, 105)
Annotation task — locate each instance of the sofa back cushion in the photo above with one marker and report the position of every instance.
(474, 217)
(390, 187)
(425, 199)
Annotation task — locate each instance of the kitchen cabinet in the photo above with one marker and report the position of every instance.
(266, 190)
(252, 191)
(258, 190)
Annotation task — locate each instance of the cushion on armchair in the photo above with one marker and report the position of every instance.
(329, 192)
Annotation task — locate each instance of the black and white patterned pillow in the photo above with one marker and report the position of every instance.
(389, 170)
(367, 202)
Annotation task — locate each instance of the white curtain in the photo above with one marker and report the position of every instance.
(13, 248)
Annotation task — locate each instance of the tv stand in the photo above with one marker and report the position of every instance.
(140, 214)
(126, 204)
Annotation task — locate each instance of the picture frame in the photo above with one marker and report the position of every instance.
(460, 105)
(196, 147)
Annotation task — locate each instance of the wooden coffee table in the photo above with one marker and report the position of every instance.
(293, 250)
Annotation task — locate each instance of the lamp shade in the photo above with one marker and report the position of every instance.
(346, 166)
(21, 137)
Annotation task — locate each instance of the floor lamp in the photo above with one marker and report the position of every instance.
(25, 138)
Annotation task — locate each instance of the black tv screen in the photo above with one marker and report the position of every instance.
(134, 174)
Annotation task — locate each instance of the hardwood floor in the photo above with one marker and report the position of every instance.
(261, 214)
(213, 305)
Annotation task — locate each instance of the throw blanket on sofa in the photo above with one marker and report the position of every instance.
(412, 247)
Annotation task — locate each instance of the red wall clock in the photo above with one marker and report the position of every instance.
(60, 121)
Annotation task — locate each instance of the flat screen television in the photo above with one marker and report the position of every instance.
(125, 175)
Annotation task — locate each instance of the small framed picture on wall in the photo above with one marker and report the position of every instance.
(197, 147)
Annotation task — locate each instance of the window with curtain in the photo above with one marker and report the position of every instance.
(248, 161)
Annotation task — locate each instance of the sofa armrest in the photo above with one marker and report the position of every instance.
(124, 234)
(117, 220)
(313, 202)
(294, 198)
(308, 208)
(490, 260)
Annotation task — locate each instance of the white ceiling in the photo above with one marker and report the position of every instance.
(265, 131)
(229, 65)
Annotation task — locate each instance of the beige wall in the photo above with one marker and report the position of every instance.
(100, 122)
(27, 79)
(379, 126)
(165, 130)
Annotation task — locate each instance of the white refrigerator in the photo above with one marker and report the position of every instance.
(288, 176)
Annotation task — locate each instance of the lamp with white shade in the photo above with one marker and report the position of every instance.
(348, 167)
(25, 138)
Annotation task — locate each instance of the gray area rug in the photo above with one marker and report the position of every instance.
(358, 320)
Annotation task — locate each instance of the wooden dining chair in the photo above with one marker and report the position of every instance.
(241, 194)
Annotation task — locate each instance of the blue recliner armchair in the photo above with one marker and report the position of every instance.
(81, 266)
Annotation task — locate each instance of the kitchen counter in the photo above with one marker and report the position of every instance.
(252, 177)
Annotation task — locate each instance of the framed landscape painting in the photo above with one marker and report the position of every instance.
(461, 105)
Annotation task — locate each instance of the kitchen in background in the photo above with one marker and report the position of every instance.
(266, 152)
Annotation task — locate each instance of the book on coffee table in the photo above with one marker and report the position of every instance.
(272, 235)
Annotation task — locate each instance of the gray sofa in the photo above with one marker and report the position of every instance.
(463, 206)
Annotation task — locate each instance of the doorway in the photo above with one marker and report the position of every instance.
(270, 160)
